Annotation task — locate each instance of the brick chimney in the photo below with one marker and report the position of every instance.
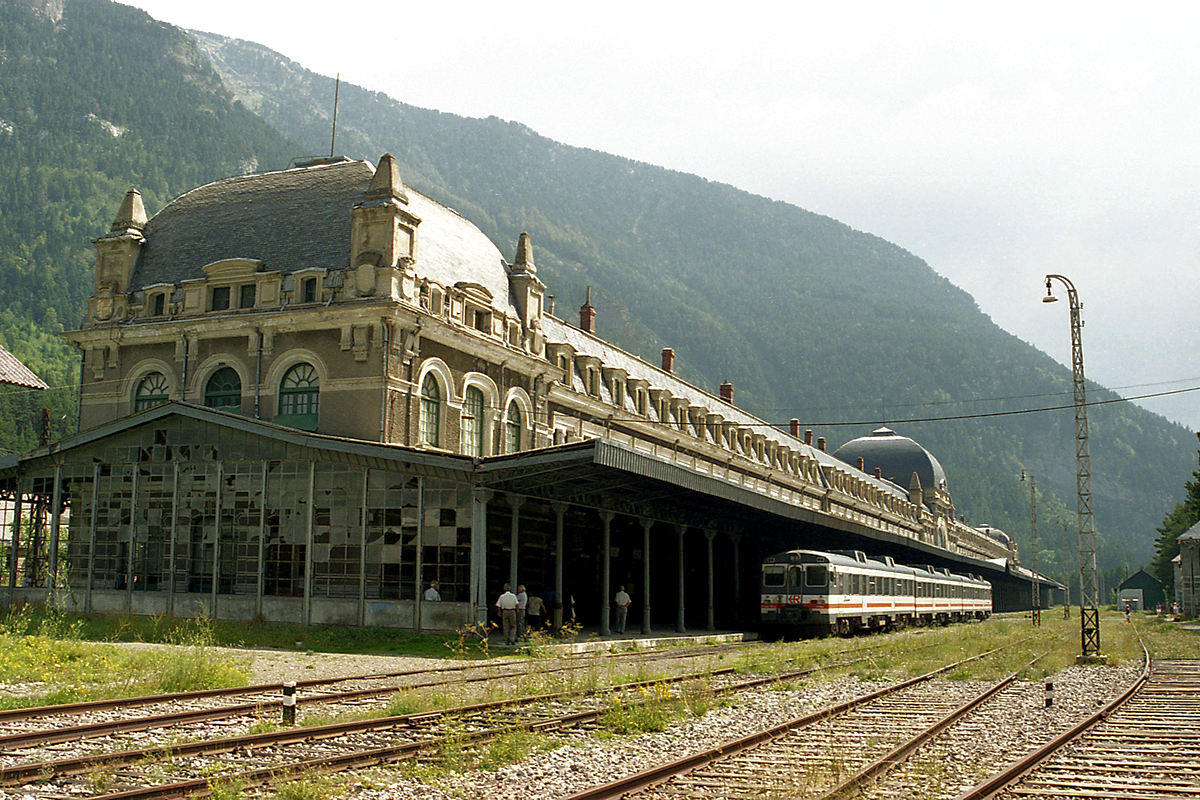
(587, 314)
(727, 392)
(795, 429)
(821, 443)
(808, 436)
(668, 359)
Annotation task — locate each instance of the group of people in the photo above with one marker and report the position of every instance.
(520, 613)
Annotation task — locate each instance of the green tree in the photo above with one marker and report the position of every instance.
(1178, 521)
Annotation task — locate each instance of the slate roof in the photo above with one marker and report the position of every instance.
(300, 218)
(14, 373)
(558, 331)
(897, 457)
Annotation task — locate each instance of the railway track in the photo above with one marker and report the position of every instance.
(264, 757)
(78, 721)
(1145, 745)
(828, 753)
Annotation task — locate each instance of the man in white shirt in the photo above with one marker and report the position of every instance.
(522, 604)
(507, 603)
(622, 599)
(432, 595)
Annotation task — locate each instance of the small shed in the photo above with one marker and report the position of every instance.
(1141, 590)
(14, 373)
(1189, 571)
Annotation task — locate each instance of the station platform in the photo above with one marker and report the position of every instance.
(590, 641)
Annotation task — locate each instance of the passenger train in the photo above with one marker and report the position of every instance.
(843, 591)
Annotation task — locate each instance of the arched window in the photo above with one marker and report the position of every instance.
(431, 411)
(512, 428)
(151, 391)
(472, 422)
(224, 389)
(299, 397)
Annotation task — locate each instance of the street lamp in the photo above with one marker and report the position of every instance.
(1089, 614)
(1036, 606)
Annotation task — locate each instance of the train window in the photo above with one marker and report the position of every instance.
(816, 576)
(871, 585)
(796, 577)
(774, 577)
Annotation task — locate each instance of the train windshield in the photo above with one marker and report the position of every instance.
(773, 576)
(816, 576)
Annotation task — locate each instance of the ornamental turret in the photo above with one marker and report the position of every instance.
(527, 292)
(116, 255)
(384, 237)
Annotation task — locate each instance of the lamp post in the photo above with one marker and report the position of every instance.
(1089, 614)
(1035, 614)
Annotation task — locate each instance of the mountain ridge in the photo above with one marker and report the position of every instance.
(808, 317)
(843, 297)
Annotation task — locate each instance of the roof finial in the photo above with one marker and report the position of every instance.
(132, 214)
(386, 183)
(524, 257)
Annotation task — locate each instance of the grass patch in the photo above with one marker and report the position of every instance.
(47, 647)
(509, 748)
(279, 636)
(651, 709)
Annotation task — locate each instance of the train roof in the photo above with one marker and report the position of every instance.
(857, 558)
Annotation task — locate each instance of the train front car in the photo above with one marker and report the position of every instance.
(804, 593)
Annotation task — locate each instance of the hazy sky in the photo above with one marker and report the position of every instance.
(998, 144)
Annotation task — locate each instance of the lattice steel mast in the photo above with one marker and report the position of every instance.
(1089, 614)
(1036, 605)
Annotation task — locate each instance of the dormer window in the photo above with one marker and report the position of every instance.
(641, 402)
(594, 382)
(246, 296)
(158, 305)
(480, 320)
(618, 393)
(219, 300)
(308, 290)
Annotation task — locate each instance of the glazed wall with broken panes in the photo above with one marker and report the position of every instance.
(231, 516)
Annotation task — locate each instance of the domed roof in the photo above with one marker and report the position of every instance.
(897, 457)
(300, 218)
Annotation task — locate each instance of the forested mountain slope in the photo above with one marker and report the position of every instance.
(95, 97)
(808, 317)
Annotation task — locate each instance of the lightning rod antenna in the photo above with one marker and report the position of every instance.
(336, 87)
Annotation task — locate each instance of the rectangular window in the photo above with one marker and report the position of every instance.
(308, 290)
(220, 298)
(246, 298)
(816, 577)
(773, 577)
(160, 305)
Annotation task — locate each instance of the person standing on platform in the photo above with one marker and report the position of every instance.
(522, 604)
(622, 599)
(432, 595)
(533, 613)
(507, 603)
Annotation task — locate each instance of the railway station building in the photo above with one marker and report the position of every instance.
(307, 393)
